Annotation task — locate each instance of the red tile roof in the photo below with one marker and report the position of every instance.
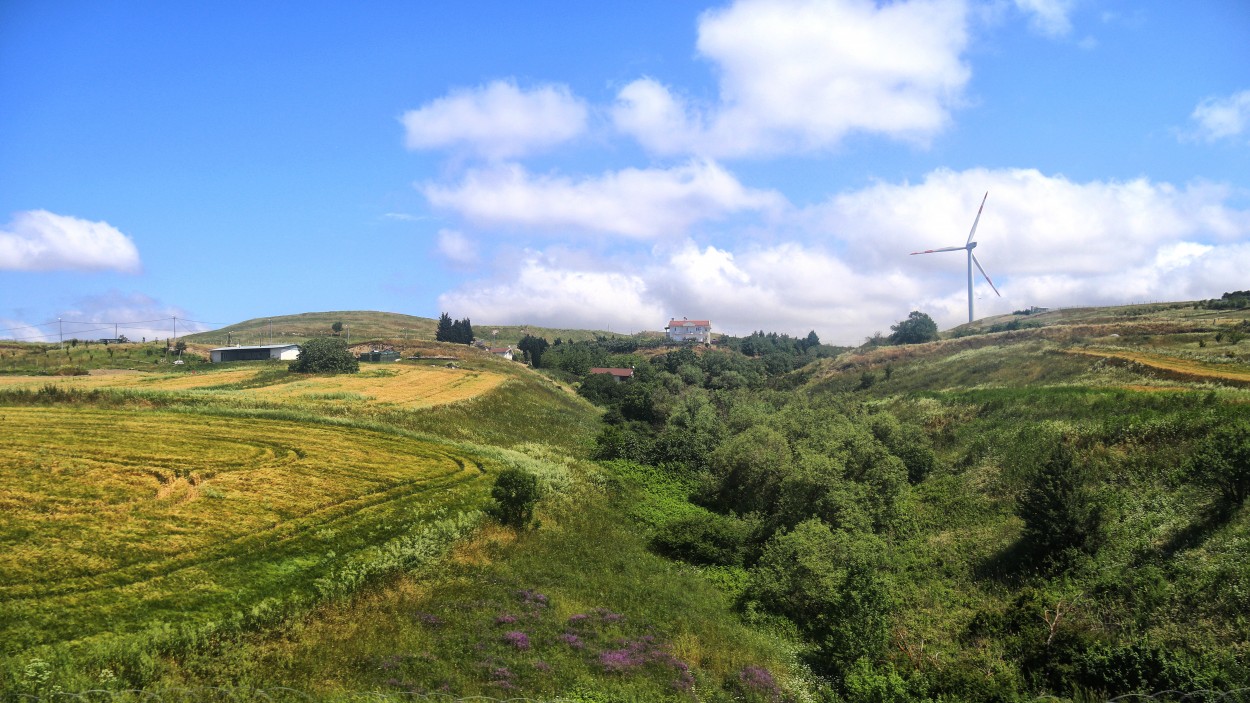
(689, 323)
(623, 373)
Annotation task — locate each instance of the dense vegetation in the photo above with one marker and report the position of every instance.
(325, 355)
(1081, 536)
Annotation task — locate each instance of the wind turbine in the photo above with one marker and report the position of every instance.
(969, 246)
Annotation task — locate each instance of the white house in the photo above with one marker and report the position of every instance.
(686, 330)
(505, 352)
(263, 352)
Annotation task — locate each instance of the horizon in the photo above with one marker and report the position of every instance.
(598, 168)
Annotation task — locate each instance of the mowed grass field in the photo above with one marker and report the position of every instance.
(408, 386)
(121, 518)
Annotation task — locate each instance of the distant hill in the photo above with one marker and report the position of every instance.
(1191, 312)
(362, 325)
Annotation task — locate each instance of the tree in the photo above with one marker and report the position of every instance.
(828, 582)
(443, 333)
(458, 332)
(337, 327)
(180, 347)
(1061, 516)
(325, 355)
(534, 348)
(516, 493)
(916, 329)
(1223, 462)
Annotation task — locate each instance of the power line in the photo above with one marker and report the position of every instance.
(106, 323)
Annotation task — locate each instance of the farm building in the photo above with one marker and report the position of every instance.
(263, 352)
(505, 352)
(618, 374)
(379, 355)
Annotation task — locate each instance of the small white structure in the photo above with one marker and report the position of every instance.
(686, 330)
(505, 352)
(263, 352)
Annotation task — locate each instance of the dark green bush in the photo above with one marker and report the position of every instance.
(1062, 517)
(325, 355)
(1222, 462)
(705, 538)
(829, 584)
(516, 493)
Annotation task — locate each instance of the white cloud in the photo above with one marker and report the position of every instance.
(1051, 18)
(789, 288)
(456, 247)
(1222, 118)
(498, 120)
(801, 74)
(135, 315)
(38, 240)
(636, 203)
(548, 294)
(1046, 240)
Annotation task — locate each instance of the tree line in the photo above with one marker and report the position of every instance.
(456, 332)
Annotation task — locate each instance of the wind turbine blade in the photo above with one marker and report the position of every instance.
(934, 251)
(987, 276)
(973, 233)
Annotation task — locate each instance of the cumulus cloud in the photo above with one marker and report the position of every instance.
(790, 288)
(846, 271)
(798, 75)
(547, 293)
(1045, 240)
(456, 248)
(1051, 18)
(498, 120)
(634, 203)
(38, 240)
(1222, 118)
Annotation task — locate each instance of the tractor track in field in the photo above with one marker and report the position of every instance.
(1170, 368)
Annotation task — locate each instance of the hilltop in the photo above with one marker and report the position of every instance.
(361, 325)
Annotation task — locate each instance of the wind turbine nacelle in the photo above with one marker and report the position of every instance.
(972, 245)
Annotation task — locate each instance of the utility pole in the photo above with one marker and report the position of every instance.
(59, 333)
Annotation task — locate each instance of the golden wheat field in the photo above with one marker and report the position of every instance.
(111, 520)
(408, 386)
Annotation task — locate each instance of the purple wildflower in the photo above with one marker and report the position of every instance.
(542, 666)
(531, 597)
(609, 616)
(505, 619)
(517, 639)
(758, 680)
(617, 660)
(572, 640)
(578, 617)
(429, 619)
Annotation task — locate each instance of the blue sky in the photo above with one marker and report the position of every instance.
(766, 164)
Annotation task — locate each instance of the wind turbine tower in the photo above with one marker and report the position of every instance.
(969, 246)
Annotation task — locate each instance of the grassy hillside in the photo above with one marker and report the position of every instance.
(241, 525)
(1049, 512)
(858, 529)
(362, 325)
